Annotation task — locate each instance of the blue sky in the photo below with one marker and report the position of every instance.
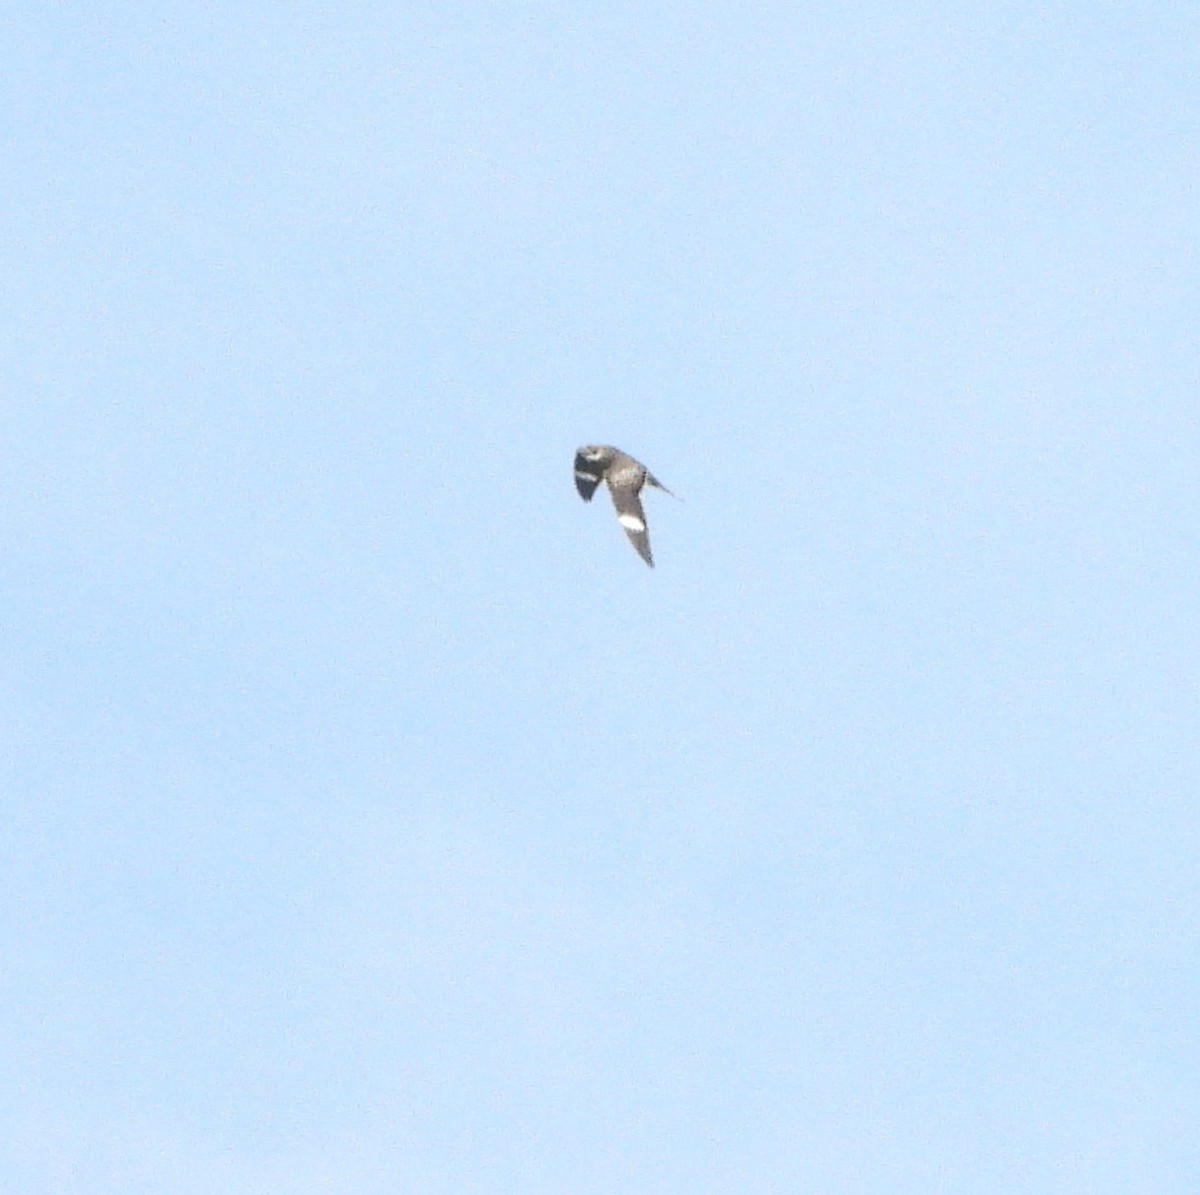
(375, 821)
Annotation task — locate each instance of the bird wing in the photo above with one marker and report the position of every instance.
(632, 518)
(588, 475)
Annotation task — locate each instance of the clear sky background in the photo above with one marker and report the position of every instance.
(374, 821)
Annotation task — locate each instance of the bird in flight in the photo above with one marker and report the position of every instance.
(595, 463)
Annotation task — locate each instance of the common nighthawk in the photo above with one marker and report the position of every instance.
(625, 476)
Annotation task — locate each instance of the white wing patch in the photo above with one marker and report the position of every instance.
(631, 522)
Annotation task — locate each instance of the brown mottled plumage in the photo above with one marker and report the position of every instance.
(595, 463)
